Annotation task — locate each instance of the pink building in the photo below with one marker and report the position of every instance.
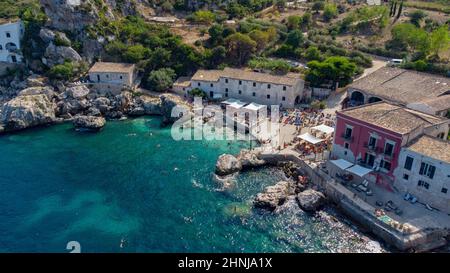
(373, 135)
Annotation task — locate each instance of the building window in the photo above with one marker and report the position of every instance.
(408, 163)
(226, 80)
(268, 97)
(268, 86)
(348, 132)
(254, 94)
(284, 88)
(388, 148)
(283, 98)
(427, 170)
(240, 82)
(423, 184)
(385, 165)
(226, 90)
(107, 75)
(372, 142)
(226, 94)
(212, 85)
(8, 35)
(14, 59)
(1, 48)
(346, 145)
(121, 77)
(254, 84)
(240, 92)
(444, 190)
(198, 84)
(405, 176)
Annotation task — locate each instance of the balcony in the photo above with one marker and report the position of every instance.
(389, 156)
(372, 148)
(346, 137)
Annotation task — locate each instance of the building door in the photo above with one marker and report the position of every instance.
(370, 159)
(98, 78)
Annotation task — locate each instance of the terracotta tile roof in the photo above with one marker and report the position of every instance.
(402, 86)
(183, 82)
(240, 74)
(100, 67)
(431, 147)
(393, 117)
(438, 104)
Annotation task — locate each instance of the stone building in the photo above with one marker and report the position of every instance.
(112, 77)
(416, 90)
(261, 88)
(424, 171)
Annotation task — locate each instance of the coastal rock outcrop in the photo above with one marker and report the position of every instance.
(77, 91)
(227, 164)
(310, 200)
(273, 196)
(250, 159)
(89, 123)
(27, 111)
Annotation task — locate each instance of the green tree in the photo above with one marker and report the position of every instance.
(415, 38)
(217, 56)
(136, 53)
(312, 53)
(439, 40)
(333, 70)
(203, 17)
(317, 6)
(216, 34)
(306, 19)
(63, 71)
(280, 4)
(295, 38)
(161, 80)
(330, 11)
(197, 92)
(239, 47)
(400, 9)
(294, 21)
(416, 17)
(260, 37)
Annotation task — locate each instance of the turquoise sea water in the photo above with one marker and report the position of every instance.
(131, 182)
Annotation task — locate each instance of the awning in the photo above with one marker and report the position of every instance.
(324, 128)
(359, 171)
(342, 164)
(310, 138)
(230, 101)
(254, 107)
(237, 105)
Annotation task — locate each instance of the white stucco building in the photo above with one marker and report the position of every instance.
(11, 34)
(424, 171)
(249, 86)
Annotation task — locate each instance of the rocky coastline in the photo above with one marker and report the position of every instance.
(295, 186)
(36, 102)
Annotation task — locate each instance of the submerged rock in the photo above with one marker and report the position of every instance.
(273, 196)
(310, 200)
(226, 182)
(89, 123)
(227, 164)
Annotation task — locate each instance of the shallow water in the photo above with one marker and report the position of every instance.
(132, 182)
